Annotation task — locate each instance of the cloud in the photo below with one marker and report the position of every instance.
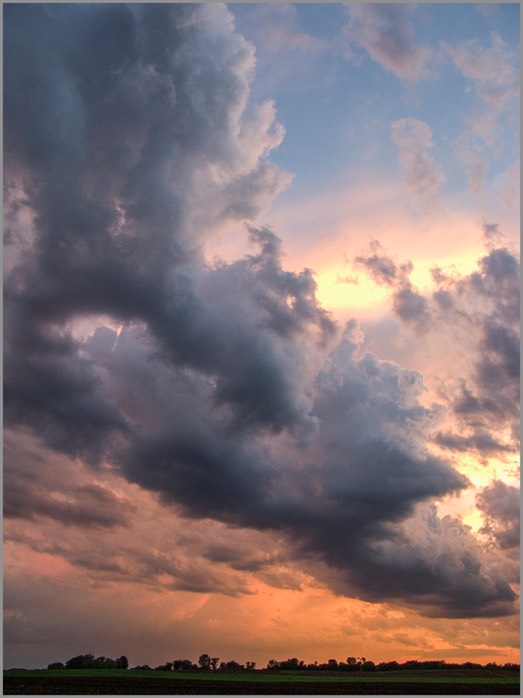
(223, 389)
(408, 304)
(33, 490)
(422, 173)
(386, 33)
(381, 268)
(492, 69)
(482, 308)
(213, 472)
(116, 209)
(493, 76)
(288, 57)
(479, 440)
(508, 187)
(476, 167)
(448, 567)
(500, 504)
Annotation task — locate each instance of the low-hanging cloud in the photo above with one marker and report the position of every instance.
(225, 388)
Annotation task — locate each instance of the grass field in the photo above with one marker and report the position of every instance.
(129, 682)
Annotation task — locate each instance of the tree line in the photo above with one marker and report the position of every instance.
(88, 661)
(208, 663)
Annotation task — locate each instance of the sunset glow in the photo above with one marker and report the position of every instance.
(261, 335)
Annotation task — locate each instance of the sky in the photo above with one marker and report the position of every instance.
(261, 332)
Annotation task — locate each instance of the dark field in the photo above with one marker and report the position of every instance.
(256, 683)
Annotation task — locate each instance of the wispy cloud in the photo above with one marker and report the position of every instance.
(491, 71)
(423, 175)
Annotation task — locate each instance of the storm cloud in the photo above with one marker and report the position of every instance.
(224, 388)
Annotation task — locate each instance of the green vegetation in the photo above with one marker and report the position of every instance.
(264, 676)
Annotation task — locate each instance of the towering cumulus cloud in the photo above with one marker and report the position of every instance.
(225, 389)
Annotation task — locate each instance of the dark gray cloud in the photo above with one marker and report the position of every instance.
(114, 203)
(48, 386)
(449, 567)
(225, 389)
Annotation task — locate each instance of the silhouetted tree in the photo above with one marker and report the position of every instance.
(204, 661)
(231, 666)
(368, 665)
(164, 667)
(104, 663)
(183, 665)
(352, 664)
(81, 661)
(388, 666)
(122, 662)
(472, 665)
(292, 663)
